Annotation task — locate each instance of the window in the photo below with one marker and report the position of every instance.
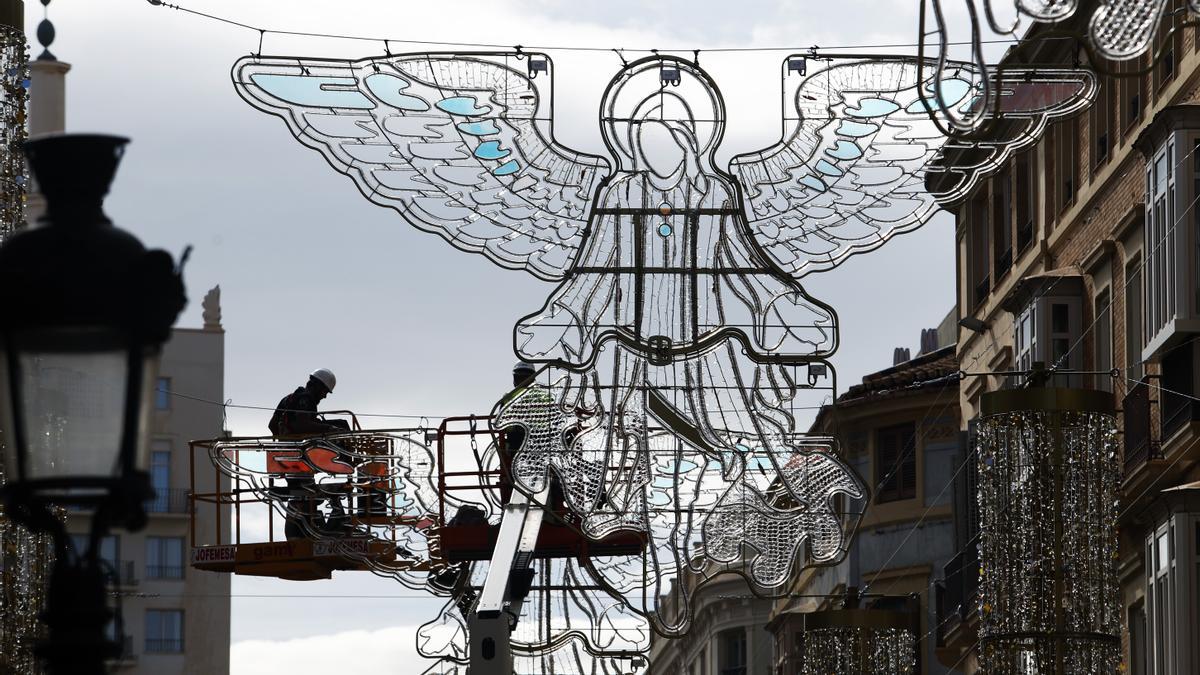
(162, 393)
(1177, 392)
(1137, 639)
(1160, 276)
(1002, 223)
(1170, 36)
(1101, 122)
(1026, 199)
(1195, 219)
(1026, 337)
(1049, 327)
(1132, 89)
(968, 487)
(1060, 333)
(164, 631)
(110, 547)
(731, 655)
(1171, 276)
(1133, 319)
(160, 476)
(980, 263)
(121, 571)
(1103, 337)
(164, 557)
(1172, 564)
(1066, 162)
(896, 463)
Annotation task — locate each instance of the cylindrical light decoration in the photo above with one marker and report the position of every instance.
(25, 558)
(860, 642)
(14, 89)
(1048, 587)
(25, 562)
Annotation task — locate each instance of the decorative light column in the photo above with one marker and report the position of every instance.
(1048, 587)
(860, 641)
(14, 88)
(25, 558)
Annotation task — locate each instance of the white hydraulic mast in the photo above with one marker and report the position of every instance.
(490, 623)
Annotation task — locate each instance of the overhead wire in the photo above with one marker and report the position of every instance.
(229, 404)
(811, 50)
(577, 48)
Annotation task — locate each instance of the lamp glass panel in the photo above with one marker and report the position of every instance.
(72, 407)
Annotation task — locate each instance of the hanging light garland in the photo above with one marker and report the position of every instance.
(1048, 477)
(25, 562)
(25, 559)
(14, 86)
(857, 641)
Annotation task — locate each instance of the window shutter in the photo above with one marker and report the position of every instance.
(896, 462)
(907, 438)
(886, 455)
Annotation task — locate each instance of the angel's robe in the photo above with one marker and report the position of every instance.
(692, 313)
(673, 273)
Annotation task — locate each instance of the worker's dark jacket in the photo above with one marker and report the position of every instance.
(297, 414)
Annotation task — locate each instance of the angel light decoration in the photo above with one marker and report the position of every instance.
(679, 341)
(1115, 30)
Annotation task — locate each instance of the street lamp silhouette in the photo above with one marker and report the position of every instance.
(84, 311)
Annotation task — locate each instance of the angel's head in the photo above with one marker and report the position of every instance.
(663, 115)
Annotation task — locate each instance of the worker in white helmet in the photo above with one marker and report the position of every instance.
(296, 413)
(297, 416)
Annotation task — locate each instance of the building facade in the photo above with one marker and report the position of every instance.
(176, 619)
(899, 430)
(728, 635)
(1083, 254)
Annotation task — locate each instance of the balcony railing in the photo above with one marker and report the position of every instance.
(126, 572)
(164, 645)
(1142, 443)
(1177, 410)
(127, 653)
(168, 500)
(959, 590)
(164, 571)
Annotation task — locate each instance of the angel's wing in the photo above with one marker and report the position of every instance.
(860, 152)
(460, 145)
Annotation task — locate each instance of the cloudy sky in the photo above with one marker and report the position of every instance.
(312, 275)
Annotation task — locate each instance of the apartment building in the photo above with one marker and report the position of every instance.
(176, 620)
(899, 430)
(1083, 253)
(728, 635)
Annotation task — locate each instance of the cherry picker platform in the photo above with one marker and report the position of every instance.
(375, 475)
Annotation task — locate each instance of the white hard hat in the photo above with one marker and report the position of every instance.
(325, 377)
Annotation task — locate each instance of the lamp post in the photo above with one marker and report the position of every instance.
(84, 311)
